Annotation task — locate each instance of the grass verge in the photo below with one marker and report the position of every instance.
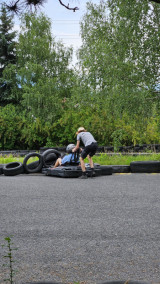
(9, 159)
(102, 159)
(120, 159)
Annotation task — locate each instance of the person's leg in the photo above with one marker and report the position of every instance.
(58, 163)
(93, 148)
(93, 174)
(83, 156)
(82, 164)
(90, 161)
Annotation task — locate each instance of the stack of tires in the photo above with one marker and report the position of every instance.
(45, 160)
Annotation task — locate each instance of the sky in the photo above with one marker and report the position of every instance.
(65, 23)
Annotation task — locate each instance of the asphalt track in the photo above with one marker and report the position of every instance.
(69, 230)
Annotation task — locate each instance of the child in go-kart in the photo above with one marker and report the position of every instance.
(70, 159)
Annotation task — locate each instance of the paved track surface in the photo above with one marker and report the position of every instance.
(66, 230)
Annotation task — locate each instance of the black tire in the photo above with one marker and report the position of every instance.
(49, 160)
(38, 164)
(50, 156)
(13, 169)
(121, 169)
(1, 169)
(145, 167)
(33, 165)
(106, 170)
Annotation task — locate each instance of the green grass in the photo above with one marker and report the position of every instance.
(9, 159)
(102, 159)
(120, 159)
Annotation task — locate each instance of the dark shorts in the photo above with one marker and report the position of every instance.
(89, 150)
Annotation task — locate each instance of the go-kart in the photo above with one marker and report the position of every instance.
(74, 171)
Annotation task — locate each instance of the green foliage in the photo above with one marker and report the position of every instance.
(7, 38)
(7, 55)
(33, 132)
(10, 128)
(116, 45)
(49, 143)
(19, 130)
(43, 69)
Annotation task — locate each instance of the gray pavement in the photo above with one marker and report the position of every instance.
(94, 230)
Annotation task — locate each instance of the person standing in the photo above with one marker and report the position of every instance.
(90, 148)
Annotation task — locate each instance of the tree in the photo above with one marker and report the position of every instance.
(122, 49)
(120, 59)
(42, 69)
(10, 127)
(7, 54)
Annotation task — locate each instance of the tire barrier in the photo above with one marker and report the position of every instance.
(49, 157)
(145, 167)
(134, 149)
(121, 169)
(15, 153)
(12, 169)
(101, 149)
(34, 167)
(106, 170)
(1, 169)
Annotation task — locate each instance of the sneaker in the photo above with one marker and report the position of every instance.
(83, 177)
